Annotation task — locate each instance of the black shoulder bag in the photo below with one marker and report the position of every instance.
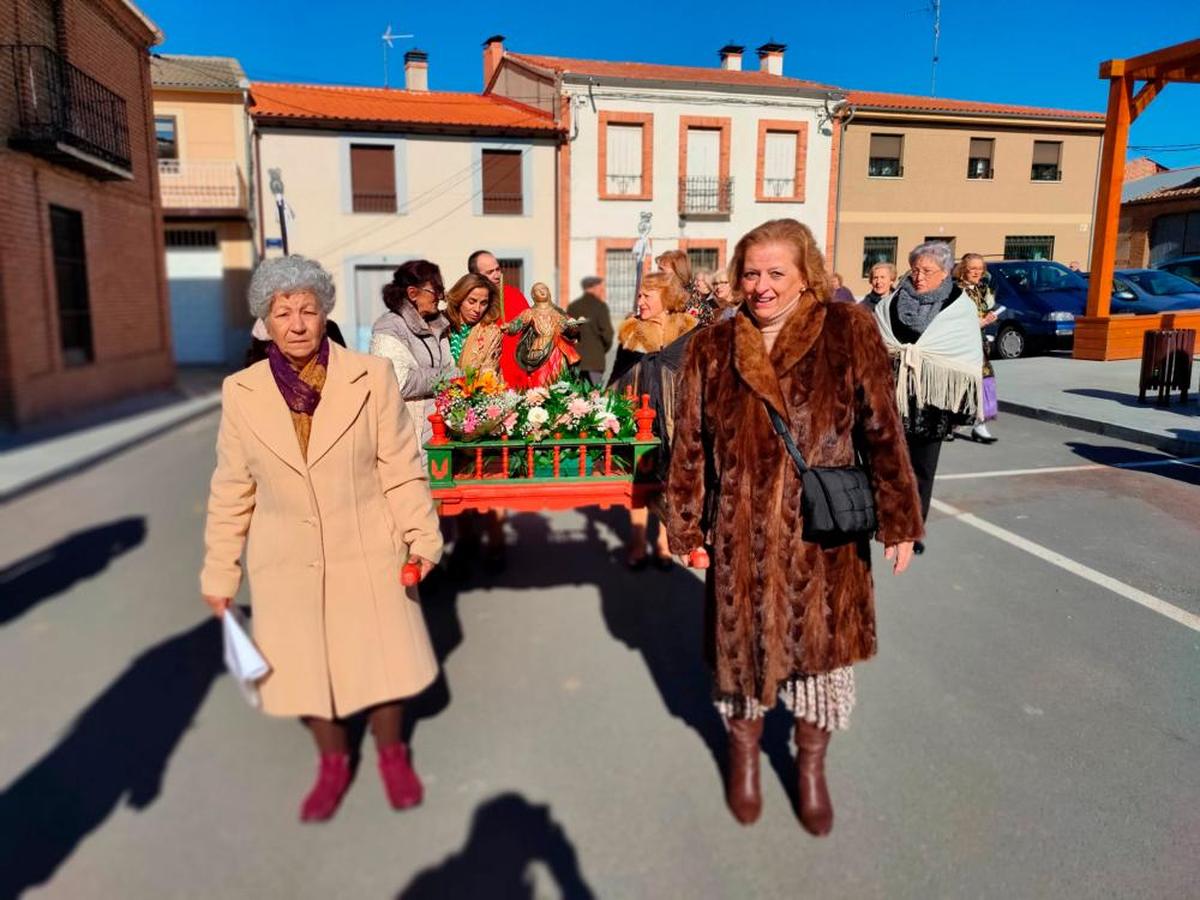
(837, 501)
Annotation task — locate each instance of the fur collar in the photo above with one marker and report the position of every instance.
(760, 372)
(650, 337)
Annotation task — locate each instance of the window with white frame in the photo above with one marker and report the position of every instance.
(623, 160)
(779, 164)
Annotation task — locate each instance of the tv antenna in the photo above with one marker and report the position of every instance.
(388, 37)
(936, 9)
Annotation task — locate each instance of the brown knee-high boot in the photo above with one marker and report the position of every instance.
(742, 792)
(816, 809)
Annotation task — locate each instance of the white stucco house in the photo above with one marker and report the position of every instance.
(708, 152)
(375, 177)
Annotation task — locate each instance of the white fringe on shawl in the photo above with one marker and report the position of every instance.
(944, 368)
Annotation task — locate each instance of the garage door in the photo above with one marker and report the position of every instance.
(195, 279)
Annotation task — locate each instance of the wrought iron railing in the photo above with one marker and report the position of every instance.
(201, 184)
(621, 185)
(705, 196)
(779, 187)
(59, 104)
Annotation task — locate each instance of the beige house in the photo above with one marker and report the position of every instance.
(374, 177)
(1005, 181)
(202, 134)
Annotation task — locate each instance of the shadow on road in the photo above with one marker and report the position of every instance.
(118, 749)
(1161, 464)
(84, 554)
(508, 835)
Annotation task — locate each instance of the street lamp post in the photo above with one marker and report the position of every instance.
(276, 182)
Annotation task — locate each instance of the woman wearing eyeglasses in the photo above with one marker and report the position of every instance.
(413, 336)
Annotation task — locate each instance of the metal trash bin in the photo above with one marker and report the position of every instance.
(1167, 363)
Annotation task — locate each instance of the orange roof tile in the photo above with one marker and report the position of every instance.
(655, 72)
(917, 103)
(309, 102)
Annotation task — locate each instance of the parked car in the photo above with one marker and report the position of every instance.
(1146, 291)
(1041, 300)
(1184, 266)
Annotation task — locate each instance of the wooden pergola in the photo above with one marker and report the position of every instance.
(1133, 85)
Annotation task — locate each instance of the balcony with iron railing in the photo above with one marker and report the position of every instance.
(201, 186)
(65, 115)
(699, 196)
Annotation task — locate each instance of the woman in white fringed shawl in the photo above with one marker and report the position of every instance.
(931, 329)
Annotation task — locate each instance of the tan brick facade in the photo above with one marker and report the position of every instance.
(122, 227)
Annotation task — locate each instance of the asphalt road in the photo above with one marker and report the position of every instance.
(1029, 729)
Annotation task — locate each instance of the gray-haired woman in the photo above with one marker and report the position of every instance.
(319, 480)
(931, 329)
(883, 282)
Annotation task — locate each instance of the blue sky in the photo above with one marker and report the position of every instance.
(1043, 53)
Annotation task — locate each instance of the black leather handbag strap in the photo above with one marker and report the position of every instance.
(782, 430)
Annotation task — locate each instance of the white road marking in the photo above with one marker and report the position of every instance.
(1050, 470)
(1162, 607)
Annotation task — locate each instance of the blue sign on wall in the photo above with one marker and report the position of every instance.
(274, 243)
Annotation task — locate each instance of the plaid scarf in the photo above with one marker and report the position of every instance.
(301, 390)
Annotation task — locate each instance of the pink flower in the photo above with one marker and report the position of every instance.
(611, 423)
(510, 422)
(579, 407)
(493, 411)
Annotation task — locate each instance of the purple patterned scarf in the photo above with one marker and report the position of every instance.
(298, 393)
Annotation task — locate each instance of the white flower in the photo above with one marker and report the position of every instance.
(538, 416)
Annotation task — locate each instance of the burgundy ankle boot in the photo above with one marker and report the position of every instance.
(333, 778)
(742, 792)
(401, 782)
(816, 809)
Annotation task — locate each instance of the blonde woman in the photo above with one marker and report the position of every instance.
(703, 308)
(643, 366)
(788, 617)
(473, 308)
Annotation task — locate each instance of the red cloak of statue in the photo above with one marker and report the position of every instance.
(513, 303)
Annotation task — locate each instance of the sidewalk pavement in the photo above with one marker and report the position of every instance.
(1098, 397)
(32, 457)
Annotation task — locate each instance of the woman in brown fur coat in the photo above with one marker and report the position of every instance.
(642, 366)
(787, 617)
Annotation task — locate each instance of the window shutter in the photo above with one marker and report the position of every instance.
(502, 189)
(981, 148)
(779, 164)
(704, 153)
(373, 178)
(886, 146)
(1046, 153)
(624, 150)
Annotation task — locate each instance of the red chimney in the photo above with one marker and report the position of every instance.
(493, 52)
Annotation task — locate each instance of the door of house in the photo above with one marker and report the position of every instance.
(368, 302)
(620, 282)
(196, 282)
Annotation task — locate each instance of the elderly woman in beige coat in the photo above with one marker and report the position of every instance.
(319, 479)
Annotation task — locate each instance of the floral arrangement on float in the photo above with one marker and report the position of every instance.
(477, 406)
(569, 431)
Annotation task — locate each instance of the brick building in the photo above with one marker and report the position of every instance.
(1160, 218)
(82, 283)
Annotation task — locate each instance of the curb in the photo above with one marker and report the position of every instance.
(1174, 446)
(195, 408)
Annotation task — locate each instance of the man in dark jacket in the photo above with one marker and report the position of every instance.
(596, 334)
